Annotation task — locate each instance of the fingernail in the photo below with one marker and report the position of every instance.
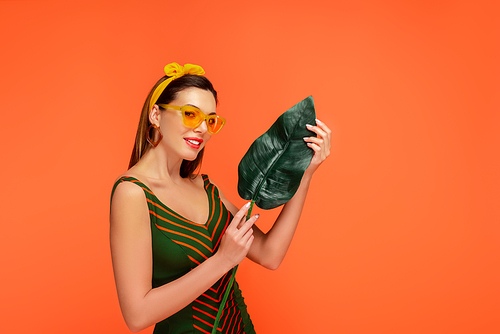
(318, 121)
(305, 138)
(309, 125)
(257, 216)
(247, 205)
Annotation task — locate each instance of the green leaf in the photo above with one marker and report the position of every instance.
(271, 170)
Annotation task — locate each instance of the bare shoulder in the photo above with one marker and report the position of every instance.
(198, 181)
(127, 191)
(128, 204)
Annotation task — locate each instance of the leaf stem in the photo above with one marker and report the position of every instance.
(230, 284)
(249, 213)
(223, 303)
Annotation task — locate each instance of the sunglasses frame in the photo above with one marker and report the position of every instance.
(203, 116)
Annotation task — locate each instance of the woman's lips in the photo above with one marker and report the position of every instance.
(194, 142)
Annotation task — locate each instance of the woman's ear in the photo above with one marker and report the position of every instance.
(155, 115)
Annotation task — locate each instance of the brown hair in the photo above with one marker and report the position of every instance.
(141, 145)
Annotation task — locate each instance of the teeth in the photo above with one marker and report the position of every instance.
(193, 142)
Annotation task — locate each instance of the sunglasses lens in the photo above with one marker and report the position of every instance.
(215, 124)
(191, 117)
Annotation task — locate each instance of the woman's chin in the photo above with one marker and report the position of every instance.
(192, 154)
(191, 157)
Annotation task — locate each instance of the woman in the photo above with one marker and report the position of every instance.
(172, 249)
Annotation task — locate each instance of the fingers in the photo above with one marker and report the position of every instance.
(247, 226)
(315, 140)
(320, 144)
(249, 242)
(238, 217)
(317, 143)
(323, 132)
(236, 241)
(314, 146)
(247, 236)
(323, 126)
(320, 129)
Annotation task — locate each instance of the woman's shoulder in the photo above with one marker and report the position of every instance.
(200, 180)
(128, 204)
(127, 186)
(130, 173)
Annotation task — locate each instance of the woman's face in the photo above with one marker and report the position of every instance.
(179, 139)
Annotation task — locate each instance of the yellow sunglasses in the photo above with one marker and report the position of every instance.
(192, 117)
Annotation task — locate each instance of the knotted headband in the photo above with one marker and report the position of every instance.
(174, 71)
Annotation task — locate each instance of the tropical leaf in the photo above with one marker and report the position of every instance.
(271, 170)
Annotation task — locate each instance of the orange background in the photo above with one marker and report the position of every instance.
(400, 232)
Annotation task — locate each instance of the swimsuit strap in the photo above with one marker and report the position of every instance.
(149, 194)
(147, 191)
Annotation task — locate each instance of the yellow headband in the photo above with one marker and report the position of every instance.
(174, 71)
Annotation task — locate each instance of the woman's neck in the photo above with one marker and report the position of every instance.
(155, 164)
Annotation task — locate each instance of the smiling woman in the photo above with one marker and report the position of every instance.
(175, 238)
(164, 96)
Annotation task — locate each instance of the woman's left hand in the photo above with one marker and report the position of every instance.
(320, 144)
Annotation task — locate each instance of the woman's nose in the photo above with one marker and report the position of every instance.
(202, 128)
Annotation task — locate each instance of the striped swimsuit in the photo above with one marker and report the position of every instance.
(179, 245)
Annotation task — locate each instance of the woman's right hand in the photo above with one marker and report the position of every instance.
(237, 239)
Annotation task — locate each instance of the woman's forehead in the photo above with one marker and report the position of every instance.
(196, 97)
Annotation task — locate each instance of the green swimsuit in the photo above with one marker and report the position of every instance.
(179, 245)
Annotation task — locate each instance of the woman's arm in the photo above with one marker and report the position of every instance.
(269, 249)
(131, 251)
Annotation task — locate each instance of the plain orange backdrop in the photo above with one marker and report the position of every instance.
(400, 232)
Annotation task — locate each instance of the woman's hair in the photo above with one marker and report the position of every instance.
(141, 145)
